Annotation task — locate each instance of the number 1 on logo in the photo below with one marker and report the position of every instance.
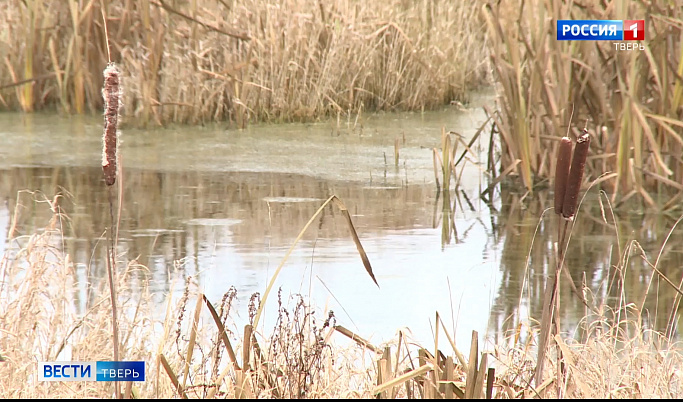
(634, 29)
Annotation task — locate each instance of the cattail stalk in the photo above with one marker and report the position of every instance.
(571, 195)
(567, 186)
(111, 92)
(564, 157)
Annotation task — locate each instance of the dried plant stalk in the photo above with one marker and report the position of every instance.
(111, 92)
(571, 195)
(564, 158)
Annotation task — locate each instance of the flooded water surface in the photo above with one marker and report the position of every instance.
(224, 206)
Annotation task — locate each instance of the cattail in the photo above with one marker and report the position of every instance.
(564, 159)
(111, 92)
(571, 195)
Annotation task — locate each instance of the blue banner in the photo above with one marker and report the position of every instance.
(120, 371)
(590, 30)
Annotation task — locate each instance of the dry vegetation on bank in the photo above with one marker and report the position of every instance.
(201, 61)
(299, 357)
(630, 100)
(50, 312)
(197, 62)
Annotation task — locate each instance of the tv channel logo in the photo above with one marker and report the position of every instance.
(600, 29)
(66, 371)
(91, 371)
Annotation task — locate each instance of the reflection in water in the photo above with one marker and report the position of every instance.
(233, 229)
(206, 203)
(605, 258)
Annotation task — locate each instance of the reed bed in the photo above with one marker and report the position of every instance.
(198, 62)
(631, 99)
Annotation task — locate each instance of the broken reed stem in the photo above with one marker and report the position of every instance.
(435, 157)
(111, 92)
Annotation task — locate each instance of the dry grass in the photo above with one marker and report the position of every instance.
(196, 62)
(187, 353)
(41, 317)
(629, 99)
(41, 320)
(608, 363)
(613, 351)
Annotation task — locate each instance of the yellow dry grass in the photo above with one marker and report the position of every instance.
(201, 61)
(42, 319)
(630, 100)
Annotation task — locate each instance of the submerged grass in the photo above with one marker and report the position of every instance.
(197, 62)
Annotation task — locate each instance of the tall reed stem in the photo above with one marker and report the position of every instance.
(111, 268)
(111, 93)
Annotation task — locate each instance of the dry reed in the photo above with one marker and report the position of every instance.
(42, 317)
(633, 97)
(197, 62)
(41, 322)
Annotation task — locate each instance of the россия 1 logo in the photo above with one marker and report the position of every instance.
(600, 30)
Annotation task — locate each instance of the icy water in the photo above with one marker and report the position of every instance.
(224, 206)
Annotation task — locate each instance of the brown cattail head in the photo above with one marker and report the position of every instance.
(111, 92)
(564, 159)
(571, 195)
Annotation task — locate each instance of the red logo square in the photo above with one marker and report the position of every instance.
(634, 29)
